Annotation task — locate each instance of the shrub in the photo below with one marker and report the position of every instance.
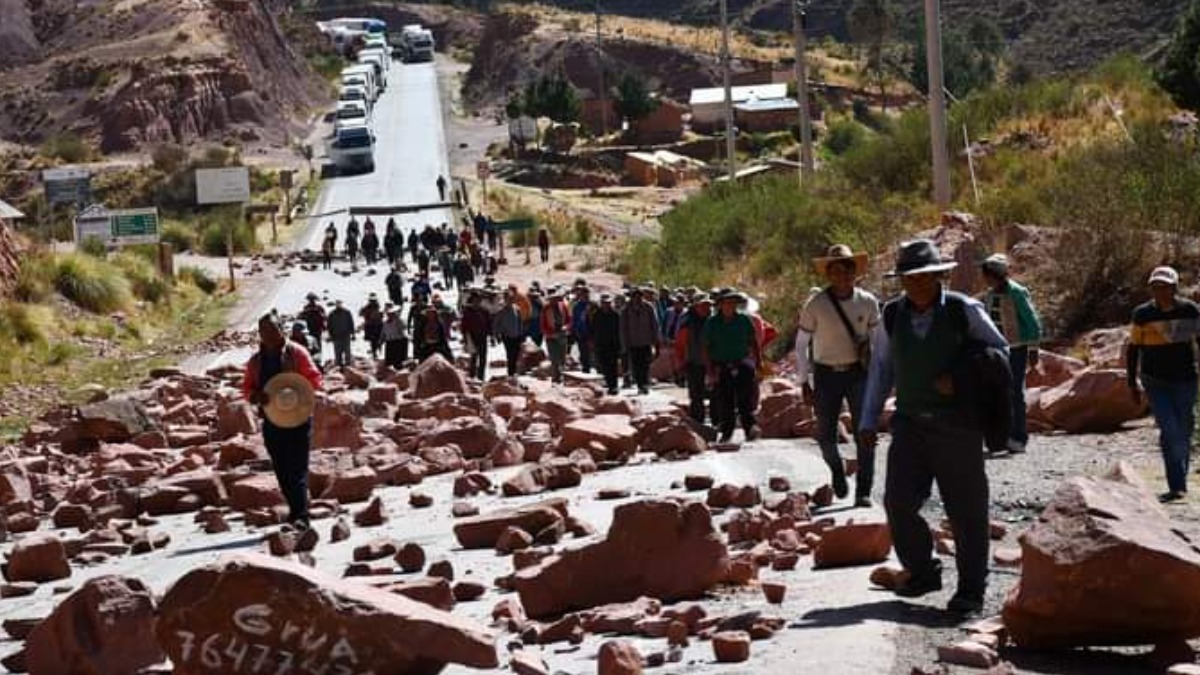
(90, 284)
(95, 247)
(24, 323)
(169, 157)
(145, 281)
(213, 237)
(68, 147)
(198, 277)
(844, 135)
(35, 279)
(179, 236)
(583, 231)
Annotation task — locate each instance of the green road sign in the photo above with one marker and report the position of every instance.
(135, 224)
(514, 225)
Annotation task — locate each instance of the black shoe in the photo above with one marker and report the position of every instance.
(726, 437)
(613, 392)
(300, 524)
(922, 584)
(965, 603)
(863, 502)
(840, 488)
(1172, 496)
(753, 433)
(643, 390)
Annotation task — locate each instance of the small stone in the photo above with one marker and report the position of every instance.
(1007, 557)
(677, 634)
(774, 591)
(307, 541)
(18, 589)
(609, 494)
(696, 482)
(513, 539)
(464, 510)
(619, 657)
(420, 500)
(526, 662)
(779, 484)
(822, 496)
(442, 569)
(731, 646)
(372, 515)
(340, 531)
(410, 558)
(785, 562)
(466, 591)
(967, 653)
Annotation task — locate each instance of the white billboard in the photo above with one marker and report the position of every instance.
(228, 185)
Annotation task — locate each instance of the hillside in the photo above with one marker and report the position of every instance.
(1045, 35)
(133, 73)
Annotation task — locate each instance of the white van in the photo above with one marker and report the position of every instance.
(374, 60)
(361, 80)
(355, 94)
(367, 72)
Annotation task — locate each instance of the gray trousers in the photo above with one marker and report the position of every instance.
(833, 388)
(928, 449)
(341, 351)
(556, 346)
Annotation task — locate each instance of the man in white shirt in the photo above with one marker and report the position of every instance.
(832, 346)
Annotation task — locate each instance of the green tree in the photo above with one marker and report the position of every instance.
(553, 96)
(1180, 70)
(633, 101)
(970, 58)
(871, 24)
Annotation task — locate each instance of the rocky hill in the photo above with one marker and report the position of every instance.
(1046, 35)
(132, 73)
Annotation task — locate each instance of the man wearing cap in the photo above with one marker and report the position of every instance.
(732, 353)
(606, 337)
(287, 447)
(341, 333)
(836, 326)
(395, 338)
(689, 354)
(919, 344)
(640, 334)
(1011, 309)
(314, 318)
(556, 320)
(476, 328)
(1162, 341)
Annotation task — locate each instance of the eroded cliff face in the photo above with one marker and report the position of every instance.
(143, 72)
(8, 260)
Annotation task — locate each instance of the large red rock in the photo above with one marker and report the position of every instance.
(618, 657)
(556, 474)
(436, 376)
(39, 558)
(14, 484)
(295, 614)
(1103, 565)
(259, 491)
(483, 531)
(336, 423)
(613, 433)
(104, 628)
(476, 437)
(855, 544)
(352, 485)
(783, 414)
(116, 420)
(1095, 401)
(657, 548)
(235, 417)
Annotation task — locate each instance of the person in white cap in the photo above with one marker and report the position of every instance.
(1162, 341)
(1011, 309)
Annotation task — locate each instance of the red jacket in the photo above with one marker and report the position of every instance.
(295, 360)
(547, 318)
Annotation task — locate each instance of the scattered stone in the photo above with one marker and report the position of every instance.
(340, 531)
(608, 494)
(282, 542)
(376, 549)
(436, 376)
(731, 646)
(442, 569)
(677, 634)
(1006, 557)
(774, 591)
(251, 596)
(38, 558)
(420, 500)
(525, 662)
(483, 531)
(968, 653)
(697, 482)
(619, 657)
(822, 497)
(464, 510)
(466, 591)
(432, 591)
(856, 544)
(372, 515)
(18, 589)
(779, 484)
(307, 541)
(410, 558)
(513, 539)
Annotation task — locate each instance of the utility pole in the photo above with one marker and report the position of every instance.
(799, 15)
(603, 93)
(937, 104)
(730, 139)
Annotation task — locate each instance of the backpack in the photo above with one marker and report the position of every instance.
(982, 378)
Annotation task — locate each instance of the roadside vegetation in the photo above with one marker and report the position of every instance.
(1093, 155)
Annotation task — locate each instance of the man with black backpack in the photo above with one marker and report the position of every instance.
(836, 326)
(942, 352)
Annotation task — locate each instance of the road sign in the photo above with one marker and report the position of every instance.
(123, 227)
(483, 170)
(228, 185)
(67, 185)
(514, 225)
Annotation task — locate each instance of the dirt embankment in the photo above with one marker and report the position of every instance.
(141, 72)
(514, 50)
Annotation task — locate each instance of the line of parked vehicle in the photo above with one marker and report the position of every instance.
(351, 147)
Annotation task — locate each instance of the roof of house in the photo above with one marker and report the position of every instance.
(8, 212)
(739, 94)
(665, 158)
(767, 105)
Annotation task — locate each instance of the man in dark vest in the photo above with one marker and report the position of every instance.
(690, 354)
(917, 346)
(288, 448)
(606, 336)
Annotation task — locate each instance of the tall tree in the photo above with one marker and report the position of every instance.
(552, 96)
(633, 101)
(970, 58)
(1180, 70)
(872, 24)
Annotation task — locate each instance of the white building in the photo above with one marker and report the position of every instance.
(708, 104)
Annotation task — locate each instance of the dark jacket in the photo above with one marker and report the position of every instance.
(606, 329)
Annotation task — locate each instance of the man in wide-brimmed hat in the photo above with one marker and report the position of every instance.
(833, 345)
(918, 347)
(314, 317)
(733, 359)
(1011, 308)
(1161, 366)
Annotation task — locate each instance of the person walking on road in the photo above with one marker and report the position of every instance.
(733, 358)
(606, 338)
(582, 310)
(836, 326)
(476, 326)
(370, 246)
(414, 243)
(341, 333)
(1011, 309)
(328, 246)
(510, 329)
(917, 345)
(288, 447)
(331, 232)
(393, 242)
(640, 333)
(352, 248)
(430, 334)
(1162, 343)
(690, 355)
(543, 243)
(555, 323)
(395, 286)
(314, 318)
(372, 316)
(446, 265)
(441, 188)
(421, 290)
(395, 338)
(300, 336)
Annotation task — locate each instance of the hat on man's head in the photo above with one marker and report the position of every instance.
(733, 294)
(606, 297)
(299, 326)
(702, 299)
(554, 292)
(311, 296)
(840, 253)
(1164, 275)
(997, 264)
(919, 256)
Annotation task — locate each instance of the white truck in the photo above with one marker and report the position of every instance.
(352, 148)
(376, 62)
(416, 44)
(350, 113)
(367, 72)
(356, 94)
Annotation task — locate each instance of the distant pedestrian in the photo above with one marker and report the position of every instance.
(441, 187)
(328, 246)
(314, 318)
(395, 286)
(370, 246)
(372, 316)
(507, 327)
(446, 265)
(352, 228)
(430, 334)
(352, 248)
(331, 232)
(395, 338)
(300, 336)
(1011, 309)
(463, 274)
(690, 355)
(555, 322)
(606, 337)
(476, 332)
(413, 242)
(341, 333)
(543, 243)
(639, 337)
(533, 320)
(582, 309)
(393, 243)
(733, 360)
(421, 290)
(1162, 343)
